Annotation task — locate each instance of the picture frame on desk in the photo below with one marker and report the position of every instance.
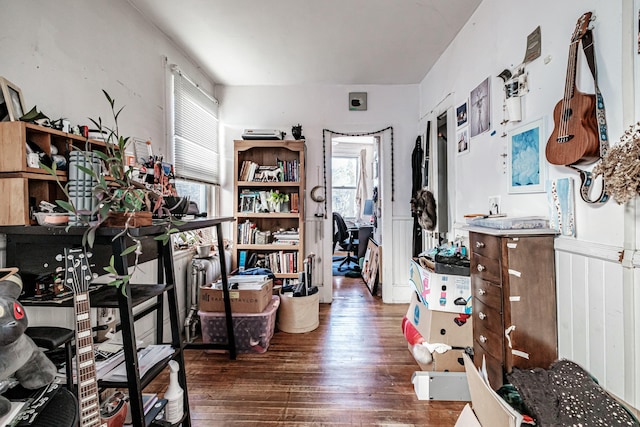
(11, 101)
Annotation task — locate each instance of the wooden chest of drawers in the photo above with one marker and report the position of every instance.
(514, 301)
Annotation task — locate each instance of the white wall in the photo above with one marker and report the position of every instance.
(597, 294)
(63, 53)
(326, 107)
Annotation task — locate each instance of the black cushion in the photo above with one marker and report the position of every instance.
(49, 337)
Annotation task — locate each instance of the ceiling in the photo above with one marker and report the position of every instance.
(311, 42)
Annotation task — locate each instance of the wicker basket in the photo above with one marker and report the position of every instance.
(298, 314)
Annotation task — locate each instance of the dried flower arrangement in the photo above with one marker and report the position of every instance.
(620, 166)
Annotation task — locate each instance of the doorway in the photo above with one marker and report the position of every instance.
(352, 185)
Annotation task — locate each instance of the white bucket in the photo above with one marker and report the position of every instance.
(298, 314)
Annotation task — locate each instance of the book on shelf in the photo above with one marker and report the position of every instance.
(148, 357)
(108, 354)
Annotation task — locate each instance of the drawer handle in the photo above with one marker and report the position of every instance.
(483, 339)
(481, 291)
(479, 244)
(482, 316)
(481, 267)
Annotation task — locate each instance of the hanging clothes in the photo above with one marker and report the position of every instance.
(416, 177)
(362, 191)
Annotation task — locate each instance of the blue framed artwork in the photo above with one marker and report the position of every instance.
(526, 167)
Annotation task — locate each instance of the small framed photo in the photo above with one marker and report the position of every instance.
(248, 203)
(526, 163)
(461, 114)
(11, 102)
(462, 140)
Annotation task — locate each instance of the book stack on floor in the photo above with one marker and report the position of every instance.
(438, 330)
(253, 308)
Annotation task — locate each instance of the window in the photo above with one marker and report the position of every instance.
(344, 173)
(195, 143)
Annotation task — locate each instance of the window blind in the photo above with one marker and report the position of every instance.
(195, 137)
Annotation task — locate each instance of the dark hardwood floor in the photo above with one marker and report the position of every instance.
(355, 369)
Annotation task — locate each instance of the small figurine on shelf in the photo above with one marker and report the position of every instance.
(296, 131)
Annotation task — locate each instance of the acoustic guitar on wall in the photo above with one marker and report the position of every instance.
(574, 139)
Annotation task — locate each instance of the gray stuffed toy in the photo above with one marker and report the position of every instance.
(20, 358)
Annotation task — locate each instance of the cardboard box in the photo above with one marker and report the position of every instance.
(490, 409)
(249, 297)
(441, 292)
(441, 386)
(449, 361)
(438, 327)
(467, 418)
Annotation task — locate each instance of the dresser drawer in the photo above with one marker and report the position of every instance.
(484, 244)
(488, 328)
(488, 293)
(486, 268)
(495, 367)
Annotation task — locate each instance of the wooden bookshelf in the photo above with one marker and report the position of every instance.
(251, 159)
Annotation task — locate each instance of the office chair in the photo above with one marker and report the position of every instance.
(343, 238)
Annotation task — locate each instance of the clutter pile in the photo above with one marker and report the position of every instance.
(438, 325)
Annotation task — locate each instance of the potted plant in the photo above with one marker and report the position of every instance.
(121, 201)
(275, 200)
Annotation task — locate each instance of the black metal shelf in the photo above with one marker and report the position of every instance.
(51, 240)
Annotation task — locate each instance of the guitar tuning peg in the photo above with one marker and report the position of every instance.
(89, 254)
(59, 257)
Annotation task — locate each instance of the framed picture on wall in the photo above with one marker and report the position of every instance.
(461, 114)
(11, 102)
(480, 108)
(526, 163)
(462, 140)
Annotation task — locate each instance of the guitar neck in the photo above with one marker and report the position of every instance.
(572, 64)
(88, 396)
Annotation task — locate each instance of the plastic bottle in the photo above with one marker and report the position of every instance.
(174, 395)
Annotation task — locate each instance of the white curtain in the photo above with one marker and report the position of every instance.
(361, 188)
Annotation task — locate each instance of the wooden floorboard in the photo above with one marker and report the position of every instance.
(354, 370)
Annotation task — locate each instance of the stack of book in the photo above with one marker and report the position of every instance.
(247, 171)
(291, 170)
(287, 237)
(282, 262)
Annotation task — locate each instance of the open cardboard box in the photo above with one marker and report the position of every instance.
(489, 408)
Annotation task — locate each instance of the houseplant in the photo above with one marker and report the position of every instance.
(120, 199)
(275, 200)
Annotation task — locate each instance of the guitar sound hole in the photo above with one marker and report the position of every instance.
(567, 114)
(565, 138)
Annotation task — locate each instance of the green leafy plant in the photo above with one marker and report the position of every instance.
(277, 197)
(118, 194)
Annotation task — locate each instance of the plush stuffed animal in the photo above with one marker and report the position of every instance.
(19, 356)
(424, 206)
